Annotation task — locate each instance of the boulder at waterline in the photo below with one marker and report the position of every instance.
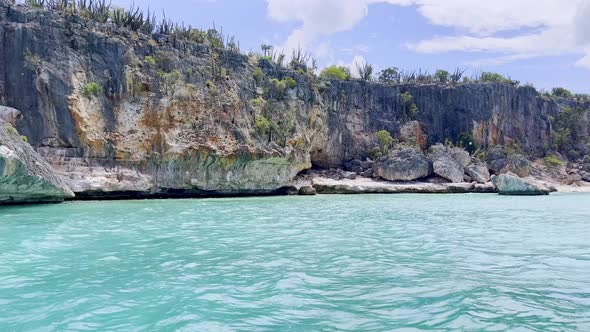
(444, 165)
(25, 177)
(404, 164)
(512, 184)
(478, 172)
(307, 191)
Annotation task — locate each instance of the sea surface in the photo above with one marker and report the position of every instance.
(326, 263)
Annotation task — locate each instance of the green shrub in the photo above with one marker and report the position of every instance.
(290, 82)
(335, 73)
(211, 86)
(384, 139)
(11, 130)
(375, 153)
(413, 111)
(277, 88)
(24, 138)
(257, 101)
(494, 77)
(561, 92)
(258, 75)
(552, 162)
(262, 125)
(93, 89)
(169, 79)
(149, 60)
(442, 76)
(407, 99)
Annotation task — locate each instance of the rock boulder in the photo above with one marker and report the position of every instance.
(445, 166)
(405, 164)
(25, 177)
(478, 172)
(512, 184)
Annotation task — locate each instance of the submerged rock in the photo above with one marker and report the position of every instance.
(406, 164)
(25, 177)
(511, 184)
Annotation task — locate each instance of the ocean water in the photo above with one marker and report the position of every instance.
(325, 263)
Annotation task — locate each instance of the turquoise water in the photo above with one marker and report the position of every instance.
(325, 263)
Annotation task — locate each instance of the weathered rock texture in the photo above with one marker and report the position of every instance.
(25, 177)
(478, 172)
(512, 184)
(404, 164)
(178, 118)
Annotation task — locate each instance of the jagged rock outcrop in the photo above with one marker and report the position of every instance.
(9, 114)
(123, 113)
(512, 184)
(403, 164)
(413, 133)
(25, 177)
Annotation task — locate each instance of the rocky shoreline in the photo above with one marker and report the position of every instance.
(146, 115)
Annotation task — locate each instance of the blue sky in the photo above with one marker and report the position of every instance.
(543, 42)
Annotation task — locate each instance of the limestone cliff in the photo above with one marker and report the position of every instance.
(123, 113)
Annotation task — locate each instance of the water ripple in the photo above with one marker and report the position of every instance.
(345, 263)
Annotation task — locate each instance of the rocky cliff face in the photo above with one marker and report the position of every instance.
(122, 113)
(493, 113)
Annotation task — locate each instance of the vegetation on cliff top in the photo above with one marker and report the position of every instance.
(146, 22)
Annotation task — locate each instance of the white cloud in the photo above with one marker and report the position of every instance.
(517, 29)
(358, 48)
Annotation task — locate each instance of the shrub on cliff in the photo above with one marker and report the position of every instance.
(410, 108)
(335, 73)
(494, 77)
(149, 60)
(552, 162)
(258, 75)
(384, 139)
(290, 82)
(93, 89)
(262, 125)
(442, 76)
(562, 92)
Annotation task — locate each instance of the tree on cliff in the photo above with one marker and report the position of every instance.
(442, 76)
(562, 92)
(266, 49)
(365, 71)
(389, 76)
